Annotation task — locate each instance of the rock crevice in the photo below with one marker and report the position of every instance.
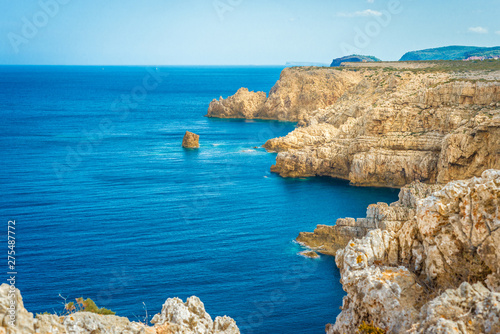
(434, 267)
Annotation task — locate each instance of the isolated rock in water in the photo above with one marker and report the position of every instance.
(23, 320)
(191, 317)
(191, 140)
(309, 254)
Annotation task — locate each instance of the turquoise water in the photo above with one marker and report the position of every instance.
(109, 206)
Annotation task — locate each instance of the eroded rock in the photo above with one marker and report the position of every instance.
(176, 317)
(395, 277)
(378, 127)
(191, 140)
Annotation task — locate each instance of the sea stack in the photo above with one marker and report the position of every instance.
(191, 140)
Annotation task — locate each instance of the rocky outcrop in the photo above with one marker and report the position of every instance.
(467, 309)
(380, 124)
(88, 323)
(309, 254)
(175, 317)
(11, 303)
(191, 317)
(298, 92)
(328, 239)
(395, 127)
(191, 140)
(395, 276)
(243, 104)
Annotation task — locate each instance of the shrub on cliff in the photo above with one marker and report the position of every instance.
(86, 305)
(365, 328)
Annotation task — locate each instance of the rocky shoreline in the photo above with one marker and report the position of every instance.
(379, 126)
(435, 271)
(176, 317)
(430, 262)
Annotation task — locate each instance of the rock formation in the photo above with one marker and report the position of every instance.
(175, 317)
(299, 91)
(24, 319)
(395, 128)
(329, 239)
(191, 140)
(435, 269)
(191, 317)
(309, 254)
(380, 124)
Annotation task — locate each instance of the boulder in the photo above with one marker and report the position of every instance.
(191, 140)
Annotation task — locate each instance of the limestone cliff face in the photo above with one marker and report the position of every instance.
(176, 317)
(379, 126)
(328, 239)
(397, 276)
(298, 92)
(396, 127)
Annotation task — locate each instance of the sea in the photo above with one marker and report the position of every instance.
(109, 206)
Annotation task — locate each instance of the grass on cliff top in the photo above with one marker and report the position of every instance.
(459, 66)
(430, 66)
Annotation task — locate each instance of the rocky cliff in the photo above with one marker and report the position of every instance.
(381, 124)
(430, 265)
(299, 91)
(396, 127)
(176, 317)
(329, 239)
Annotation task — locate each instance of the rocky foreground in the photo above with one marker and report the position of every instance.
(387, 124)
(176, 317)
(429, 263)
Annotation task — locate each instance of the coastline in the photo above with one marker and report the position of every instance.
(436, 135)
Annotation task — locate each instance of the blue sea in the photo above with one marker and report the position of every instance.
(109, 206)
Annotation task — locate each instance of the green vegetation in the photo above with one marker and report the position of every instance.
(353, 59)
(453, 52)
(459, 66)
(435, 66)
(87, 305)
(365, 328)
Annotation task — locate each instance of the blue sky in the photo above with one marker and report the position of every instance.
(232, 32)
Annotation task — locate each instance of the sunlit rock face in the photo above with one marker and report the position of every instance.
(436, 271)
(378, 127)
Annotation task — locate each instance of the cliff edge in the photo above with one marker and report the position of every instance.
(436, 271)
(299, 91)
(381, 124)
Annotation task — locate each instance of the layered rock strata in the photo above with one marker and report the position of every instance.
(191, 140)
(176, 317)
(435, 271)
(329, 239)
(299, 91)
(380, 126)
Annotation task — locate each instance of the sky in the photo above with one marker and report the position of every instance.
(235, 32)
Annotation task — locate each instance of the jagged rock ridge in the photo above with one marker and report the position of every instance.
(176, 317)
(298, 92)
(435, 269)
(380, 126)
